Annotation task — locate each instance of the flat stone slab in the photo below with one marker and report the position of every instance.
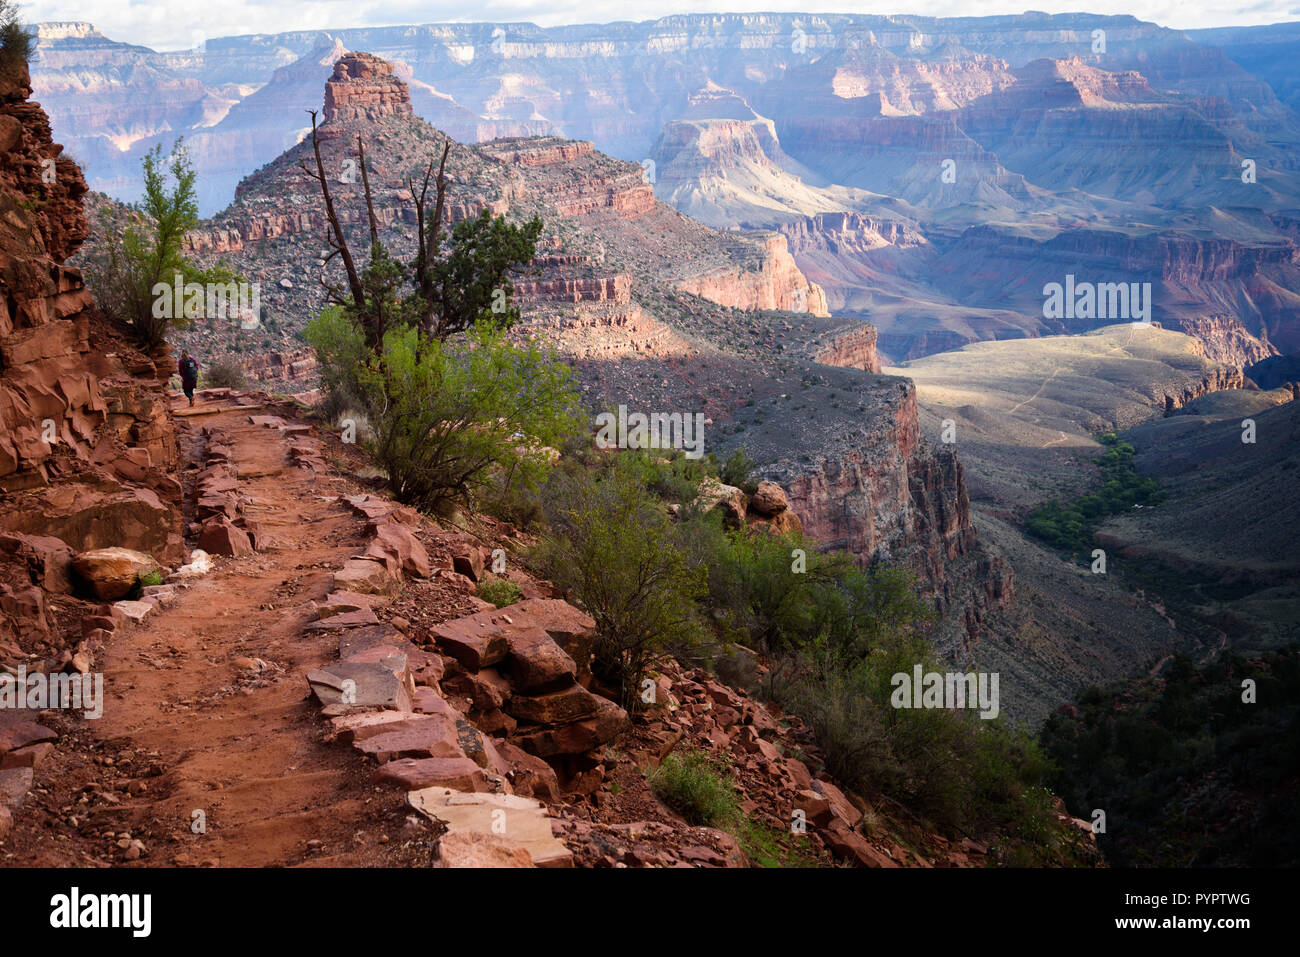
(476, 850)
(358, 639)
(336, 603)
(14, 785)
(347, 619)
(422, 736)
(134, 610)
(411, 774)
(524, 820)
(346, 726)
(372, 685)
(366, 577)
(559, 707)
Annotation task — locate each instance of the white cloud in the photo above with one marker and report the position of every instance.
(175, 24)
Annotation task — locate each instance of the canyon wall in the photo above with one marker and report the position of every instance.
(86, 444)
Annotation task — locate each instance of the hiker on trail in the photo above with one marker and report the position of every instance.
(189, 370)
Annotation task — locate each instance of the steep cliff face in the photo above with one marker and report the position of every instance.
(47, 392)
(85, 441)
(882, 493)
(1224, 339)
(776, 283)
(852, 349)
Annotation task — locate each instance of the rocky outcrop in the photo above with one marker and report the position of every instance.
(776, 283)
(363, 87)
(282, 367)
(1224, 339)
(1216, 380)
(85, 440)
(852, 349)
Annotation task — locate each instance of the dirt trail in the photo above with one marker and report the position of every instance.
(242, 746)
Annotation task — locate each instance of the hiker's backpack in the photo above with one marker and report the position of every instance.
(190, 370)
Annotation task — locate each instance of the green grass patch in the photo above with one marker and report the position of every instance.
(499, 591)
(698, 788)
(1069, 526)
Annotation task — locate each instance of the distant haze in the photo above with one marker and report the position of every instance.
(181, 24)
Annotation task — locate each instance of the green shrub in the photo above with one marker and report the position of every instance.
(696, 787)
(150, 579)
(1069, 526)
(450, 419)
(614, 545)
(16, 43)
(224, 375)
(499, 591)
(736, 471)
(135, 258)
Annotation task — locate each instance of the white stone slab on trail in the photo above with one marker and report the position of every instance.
(135, 610)
(519, 819)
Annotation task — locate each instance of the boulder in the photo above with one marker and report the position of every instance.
(851, 846)
(537, 662)
(486, 689)
(841, 806)
(475, 849)
(468, 561)
(220, 537)
(578, 737)
(476, 642)
(396, 546)
(769, 500)
(112, 572)
(529, 775)
(558, 707)
(783, 523)
(727, 499)
(570, 628)
(366, 577)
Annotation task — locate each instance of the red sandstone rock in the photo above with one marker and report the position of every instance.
(458, 773)
(112, 572)
(769, 500)
(536, 661)
(476, 849)
(558, 707)
(363, 86)
(395, 545)
(220, 537)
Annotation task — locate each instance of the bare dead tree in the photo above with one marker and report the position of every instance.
(428, 237)
(338, 242)
(370, 203)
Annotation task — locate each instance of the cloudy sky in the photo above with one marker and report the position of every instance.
(177, 24)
